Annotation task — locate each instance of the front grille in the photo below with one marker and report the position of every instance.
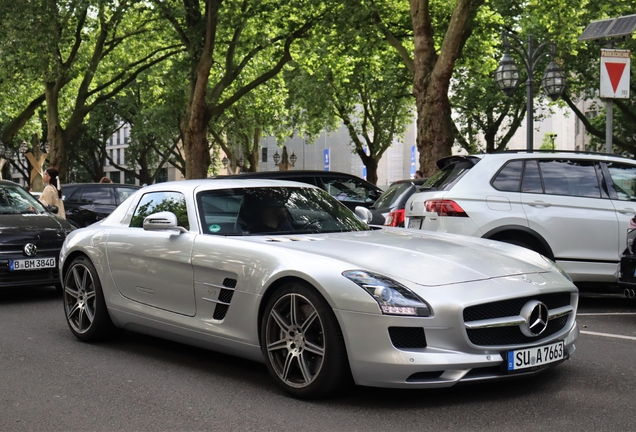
(512, 307)
(28, 277)
(407, 337)
(512, 335)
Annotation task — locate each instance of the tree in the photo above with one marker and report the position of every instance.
(84, 52)
(358, 82)
(233, 47)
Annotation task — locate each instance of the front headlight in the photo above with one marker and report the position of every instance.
(393, 297)
(557, 267)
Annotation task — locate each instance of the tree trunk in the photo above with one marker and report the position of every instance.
(55, 133)
(431, 78)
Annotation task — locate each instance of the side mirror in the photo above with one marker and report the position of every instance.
(162, 221)
(51, 209)
(364, 214)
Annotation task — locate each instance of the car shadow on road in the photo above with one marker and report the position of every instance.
(34, 294)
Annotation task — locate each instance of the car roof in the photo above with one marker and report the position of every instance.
(415, 181)
(221, 183)
(100, 185)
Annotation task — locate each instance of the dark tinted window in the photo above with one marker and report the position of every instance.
(446, 178)
(70, 193)
(123, 193)
(567, 177)
(97, 195)
(509, 177)
(156, 202)
(531, 178)
(393, 194)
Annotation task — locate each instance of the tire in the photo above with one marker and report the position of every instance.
(84, 304)
(302, 343)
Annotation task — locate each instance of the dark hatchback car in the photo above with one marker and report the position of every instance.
(87, 203)
(30, 239)
(350, 190)
(389, 208)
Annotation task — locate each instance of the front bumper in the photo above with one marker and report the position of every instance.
(376, 362)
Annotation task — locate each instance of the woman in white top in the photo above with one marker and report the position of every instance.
(52, 193)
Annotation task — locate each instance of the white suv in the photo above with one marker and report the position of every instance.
(573, 208)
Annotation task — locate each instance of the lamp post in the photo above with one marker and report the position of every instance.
(552, 137)
(293, 158)
(507, 74)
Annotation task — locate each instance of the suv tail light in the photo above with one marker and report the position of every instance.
(395, 218)
(445, 208)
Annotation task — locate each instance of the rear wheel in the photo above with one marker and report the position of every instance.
(302, 343)
(84, 304)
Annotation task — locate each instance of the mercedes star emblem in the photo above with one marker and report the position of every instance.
(30, 249)
(535, 314)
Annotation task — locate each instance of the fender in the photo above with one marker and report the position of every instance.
(527, 232)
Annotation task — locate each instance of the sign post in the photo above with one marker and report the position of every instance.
(615, 70)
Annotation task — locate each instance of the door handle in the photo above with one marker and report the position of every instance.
(539, 204)
(626, 211)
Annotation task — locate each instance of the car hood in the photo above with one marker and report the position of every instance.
(425, 259)
(19, 227)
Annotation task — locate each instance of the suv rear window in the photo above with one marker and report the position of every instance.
(446, 178)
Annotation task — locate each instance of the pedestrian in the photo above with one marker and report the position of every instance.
(52, 193)
(419, 174)
(105, 180)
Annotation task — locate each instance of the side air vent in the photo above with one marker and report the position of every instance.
(229, 283)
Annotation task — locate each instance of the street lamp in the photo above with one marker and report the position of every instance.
(276, 157)
(241, 162)
(225, 161)
(507, 74)
(293, 158)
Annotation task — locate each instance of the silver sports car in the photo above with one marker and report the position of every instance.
(282, 273)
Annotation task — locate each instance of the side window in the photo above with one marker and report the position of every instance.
(70, 194)
(509, 178)
(573, 178)
(93, 195)
(624, 180)
(156, 202)
(531, 178)
(218, 212)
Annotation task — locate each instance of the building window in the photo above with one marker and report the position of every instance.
(115, 176)
(162, 176)
(129, 178)
(264, 154)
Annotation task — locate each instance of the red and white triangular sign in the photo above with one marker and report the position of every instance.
(615, 74)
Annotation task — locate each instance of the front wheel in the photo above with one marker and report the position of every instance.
(302, 343)
(84, 304)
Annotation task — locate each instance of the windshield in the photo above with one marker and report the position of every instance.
(15, 200)
(392, 195)
(274, 210)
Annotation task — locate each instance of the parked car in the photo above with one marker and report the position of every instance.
(317, 295)
(87, 203)
(571, 207)
(30, 239)
(350, 190)
(388, 209)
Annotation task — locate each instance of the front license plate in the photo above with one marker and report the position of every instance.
(32, 264)
(415, 223)
(537, 356)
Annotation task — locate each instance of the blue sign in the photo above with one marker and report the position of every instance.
(364, 172)
(412, 161)
(327, 159)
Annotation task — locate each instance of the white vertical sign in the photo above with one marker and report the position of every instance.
(615, 74)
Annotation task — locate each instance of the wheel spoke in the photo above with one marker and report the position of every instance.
(310, 319)
(72, 292)
(313, 348)
(90, 296)
(89, 315)
(278, 345)
(307, 376)
(287, 367)
(76, 276)
(280, 320)
(72, 311)
(293, 309)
